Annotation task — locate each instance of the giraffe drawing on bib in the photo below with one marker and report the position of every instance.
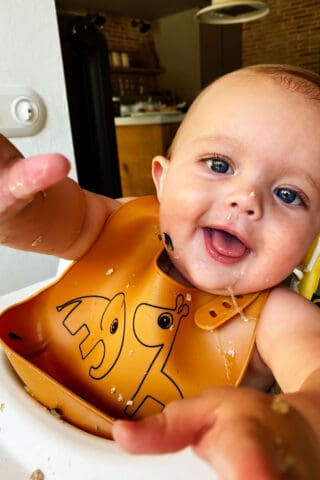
(156, 328)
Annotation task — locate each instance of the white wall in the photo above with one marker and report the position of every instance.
(178, 45)
(30, 56)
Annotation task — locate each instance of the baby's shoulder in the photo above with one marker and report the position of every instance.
(288, 333)
(282, 300)
(285, 308)
(287, 315)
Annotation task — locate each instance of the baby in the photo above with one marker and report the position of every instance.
(238, 202)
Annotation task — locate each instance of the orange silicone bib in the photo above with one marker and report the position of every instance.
(117, 337)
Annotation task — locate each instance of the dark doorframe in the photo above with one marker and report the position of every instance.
(220, 50)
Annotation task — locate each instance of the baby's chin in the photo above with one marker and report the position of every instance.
(239, 287)
(222, 290)
(209, 287)
(236, 282)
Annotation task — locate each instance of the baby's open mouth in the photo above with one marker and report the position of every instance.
(224, 246)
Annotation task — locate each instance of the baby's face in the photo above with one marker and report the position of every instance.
(240, 196)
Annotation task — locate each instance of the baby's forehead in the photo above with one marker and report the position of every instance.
(247, 87)
(265, 82)
(244, 96)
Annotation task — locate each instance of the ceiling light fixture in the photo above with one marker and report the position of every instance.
(226, 12)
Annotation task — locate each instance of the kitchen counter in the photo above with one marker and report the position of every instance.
(139, 139)
(150, 118)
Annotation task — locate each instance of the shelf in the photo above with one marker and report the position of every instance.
(136, 70)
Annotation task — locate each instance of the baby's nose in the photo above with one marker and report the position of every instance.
(247, 203)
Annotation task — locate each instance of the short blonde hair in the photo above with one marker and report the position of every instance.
(294, 78)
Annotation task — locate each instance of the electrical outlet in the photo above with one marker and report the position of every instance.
(22, 111)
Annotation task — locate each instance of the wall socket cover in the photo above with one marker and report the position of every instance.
(22, 111)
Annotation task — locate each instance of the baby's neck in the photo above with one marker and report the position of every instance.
(165, 264)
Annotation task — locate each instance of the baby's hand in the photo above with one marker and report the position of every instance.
(241, 433)
(21, 179)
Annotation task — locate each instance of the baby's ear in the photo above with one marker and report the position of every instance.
(159, 171)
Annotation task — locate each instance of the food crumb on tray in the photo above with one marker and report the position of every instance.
(37, 475)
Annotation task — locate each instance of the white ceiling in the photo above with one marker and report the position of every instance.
(146, 9)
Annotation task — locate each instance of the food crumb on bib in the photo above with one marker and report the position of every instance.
(37, 241)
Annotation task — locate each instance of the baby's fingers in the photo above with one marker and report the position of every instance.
(22, 179)
(179, 425)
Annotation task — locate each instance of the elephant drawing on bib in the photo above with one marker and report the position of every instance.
(99, 326)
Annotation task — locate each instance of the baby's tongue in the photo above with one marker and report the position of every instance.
(227, 244)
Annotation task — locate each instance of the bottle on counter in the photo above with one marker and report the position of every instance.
(116, 106)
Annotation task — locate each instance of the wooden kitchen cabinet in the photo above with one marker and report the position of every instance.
(137, 145)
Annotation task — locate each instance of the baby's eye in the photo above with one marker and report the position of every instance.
(291, 197)
(219, 165)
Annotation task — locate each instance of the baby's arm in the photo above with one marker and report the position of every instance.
(244, 433)
(42, 210)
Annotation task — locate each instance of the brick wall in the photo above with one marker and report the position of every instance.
(122, 36)
(289, 34)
